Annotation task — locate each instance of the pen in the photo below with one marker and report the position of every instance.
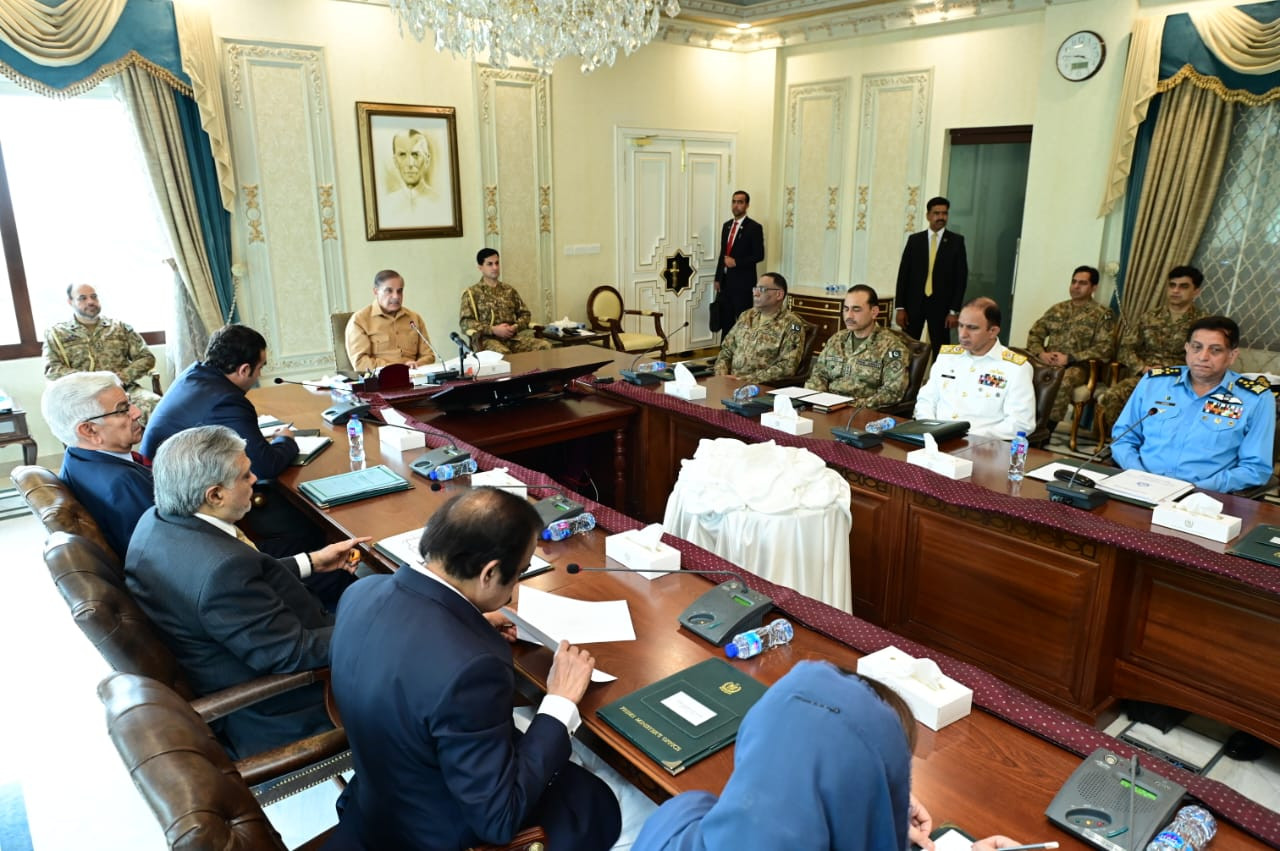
(1030, 847)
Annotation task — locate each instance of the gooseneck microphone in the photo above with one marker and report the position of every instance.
(860, 438)
(312, 385)
(461, 342)
(1081, 495)
(641, 378)
(444, 374)
(574, 567)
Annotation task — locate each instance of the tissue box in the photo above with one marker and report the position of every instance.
(799, 425)
(696, 391)
(941, 463)
(1215, 527)
(486, 369)
(934, 707)
(502, 480)
(400, 439)
(627, 551)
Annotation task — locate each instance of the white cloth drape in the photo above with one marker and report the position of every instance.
(1242, 43)
(778, 511)
(200, 61)
(65, 34)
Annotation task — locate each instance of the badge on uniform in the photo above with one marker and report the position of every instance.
(1223, 405)
(993, 379)
(894, 354)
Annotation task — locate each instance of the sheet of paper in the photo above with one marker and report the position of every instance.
(307, 445)
(828, 400)
(1045, 473)
(526, 631)
(404, 548)
(793, 392)
(577, 621)
(688, 708)
(952, 840)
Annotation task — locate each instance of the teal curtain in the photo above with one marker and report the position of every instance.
(214, 220)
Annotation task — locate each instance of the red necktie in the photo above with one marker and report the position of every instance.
(733, 232)
(139, 458)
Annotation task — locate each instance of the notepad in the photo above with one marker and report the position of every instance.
(309, 448)
(353, 486)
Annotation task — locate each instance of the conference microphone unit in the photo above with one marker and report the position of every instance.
(642, 378)
(311, 385)
(574, 567)
(1077, 494)
(444, 374)
(460, 342)
(860, 438)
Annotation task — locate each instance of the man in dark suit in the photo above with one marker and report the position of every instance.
(438, 761)
(228, 612)
(741, 248)
(91, 413)
(932, 277)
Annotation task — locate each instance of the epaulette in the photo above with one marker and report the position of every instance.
(1254, 385)
(951, 349)
(1157, 371)
(1014, 357)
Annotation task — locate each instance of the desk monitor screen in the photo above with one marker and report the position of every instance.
(510, 390)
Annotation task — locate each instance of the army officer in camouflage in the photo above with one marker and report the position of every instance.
(90, 342)
(1070, 334)
(864, 361)
(767, 341)
(493, 315)
(1156, 339)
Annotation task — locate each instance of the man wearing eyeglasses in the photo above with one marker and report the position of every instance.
(1212, 427)
(89, 341)
(90, 413)
(767, 341)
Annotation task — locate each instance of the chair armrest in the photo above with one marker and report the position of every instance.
(525, 840)
(294, 756)
(657, 313)
(1117, 369)
(155, 384)
(211, 707)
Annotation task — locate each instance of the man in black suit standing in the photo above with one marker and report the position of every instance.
(932, 278)
(741, 248)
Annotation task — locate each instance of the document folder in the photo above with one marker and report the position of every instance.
(309, 448)
(1262, 543)
(913, 431)
(349, 487)
(688, 716)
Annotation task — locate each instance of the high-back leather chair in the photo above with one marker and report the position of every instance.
(917, 369)
(1045, 381)
(605, 312)
(338, 330)
(56, 506)
(805, 367)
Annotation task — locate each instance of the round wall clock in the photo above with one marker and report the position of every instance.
(1081, 55)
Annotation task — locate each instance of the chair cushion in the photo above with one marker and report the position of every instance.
(639, 342)
(1081, 393)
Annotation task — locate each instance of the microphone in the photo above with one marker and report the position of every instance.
(444, 374)
(574, 567)
(855, 436)
(1085, 496)
(642, 378)
(311, 385)
(460, 342)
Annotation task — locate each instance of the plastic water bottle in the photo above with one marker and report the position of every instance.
(1018, 457)
(882, 424)
(355, 443)
(1190, 830)
(753, 642)
(747, 391)
(445, 472)
(654, 366)
(561, 529)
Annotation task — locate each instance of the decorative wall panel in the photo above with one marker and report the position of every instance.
(815, 153)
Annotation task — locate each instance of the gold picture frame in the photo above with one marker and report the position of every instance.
(409, 167)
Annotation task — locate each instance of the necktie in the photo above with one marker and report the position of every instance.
(244, 539)
(733, 232)
(139, 458)
(933, 254)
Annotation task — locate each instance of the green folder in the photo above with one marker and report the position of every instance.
(1262, 543)
(356, 485)
(680, 720)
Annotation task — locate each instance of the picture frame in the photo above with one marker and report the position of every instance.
(409, 168)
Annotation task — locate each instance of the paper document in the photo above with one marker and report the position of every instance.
(526, 631)
(1144, 487)
(403, 548)
(793, 392)
(1096, 472)
(577, 621)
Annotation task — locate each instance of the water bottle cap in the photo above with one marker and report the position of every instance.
(1022, 434)
(546, 534)
(731, 650)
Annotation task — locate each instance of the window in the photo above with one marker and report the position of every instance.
(76, 206)
(1240, 249)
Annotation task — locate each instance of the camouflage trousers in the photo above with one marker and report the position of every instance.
(523, 341)
(1072, 377)
(144, 399)
(1111, 401)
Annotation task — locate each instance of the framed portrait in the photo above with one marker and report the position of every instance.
(409, 162)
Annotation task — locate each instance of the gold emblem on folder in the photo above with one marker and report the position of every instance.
(731, 688)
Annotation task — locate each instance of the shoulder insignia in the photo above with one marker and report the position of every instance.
(795, 326)
(1014, 357)
(895, 354)
(1158, 371)
(1255, 385)
(952, 349)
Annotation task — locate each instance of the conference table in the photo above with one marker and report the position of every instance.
(982, 773)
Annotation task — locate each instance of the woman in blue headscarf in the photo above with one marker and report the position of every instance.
(823, 760)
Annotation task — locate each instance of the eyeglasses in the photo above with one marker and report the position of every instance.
(767, 289)
(122, 408)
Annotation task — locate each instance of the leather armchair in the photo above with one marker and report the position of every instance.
(917, 370)
(806, 359)
(52, 502)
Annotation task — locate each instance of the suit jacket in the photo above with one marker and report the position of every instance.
(748, 250)
(231, 613)
(425, 686)
(950, 272)
(204, 396)
(114, 491)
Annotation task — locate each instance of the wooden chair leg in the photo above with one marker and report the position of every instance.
(1076, 416)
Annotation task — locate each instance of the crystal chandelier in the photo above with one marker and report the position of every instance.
(538, 31)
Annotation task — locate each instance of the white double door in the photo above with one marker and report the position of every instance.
(674, 193)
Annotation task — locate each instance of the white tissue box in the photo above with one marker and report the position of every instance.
(941, 463)
(399, 439)
(799, 425)
(934, 706)
(1215, 527)
(625, 549)
(502, 480)
(692, 392)
(486, 369)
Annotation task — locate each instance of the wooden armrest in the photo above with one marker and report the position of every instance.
(526, 840)
(1116, 369)
(657, 313)
(285, 759)
(211, 707)
(155, 383)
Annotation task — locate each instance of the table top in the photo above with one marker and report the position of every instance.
(1017, 773)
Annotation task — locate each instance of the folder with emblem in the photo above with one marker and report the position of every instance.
(349, 487)
(913, 431)
(688, 716)
(1261, 543)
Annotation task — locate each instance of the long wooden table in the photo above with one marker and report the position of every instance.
(980, 772)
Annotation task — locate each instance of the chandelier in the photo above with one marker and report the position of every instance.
(538, 31)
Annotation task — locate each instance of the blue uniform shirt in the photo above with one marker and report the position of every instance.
(1220, 441)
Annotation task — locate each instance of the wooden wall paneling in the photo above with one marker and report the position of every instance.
(814, 154)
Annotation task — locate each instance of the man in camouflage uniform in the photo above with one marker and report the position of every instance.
(90, 342)
(1157, 339)
(767, 341)
(1070, 334)
(864, 361)
(493, 315)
